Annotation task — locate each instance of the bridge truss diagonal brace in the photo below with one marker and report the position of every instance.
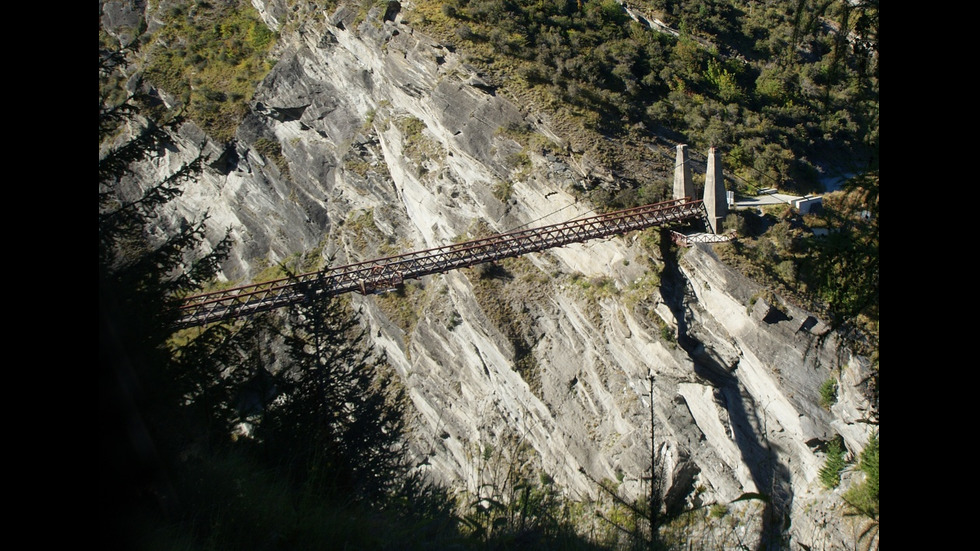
(383, 274)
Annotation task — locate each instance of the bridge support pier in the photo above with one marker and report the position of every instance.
(715, 197)
(683, 186)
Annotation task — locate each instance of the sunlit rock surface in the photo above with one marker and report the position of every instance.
(389, 142)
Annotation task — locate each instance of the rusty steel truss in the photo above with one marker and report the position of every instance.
(385, 274)
(688, 240)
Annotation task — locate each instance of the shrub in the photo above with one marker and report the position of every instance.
(502, 190)
(834, 464)
(786, 270)
(828, 393)
(864, 496)
(224, 47)
(735, 222)
(869, 464)
(718, 511)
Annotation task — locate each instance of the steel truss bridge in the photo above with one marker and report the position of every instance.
(386, 274)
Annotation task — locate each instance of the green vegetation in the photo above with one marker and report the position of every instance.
(513, 506)
(403, 306)
(834, 463)
(828, 393)
(209, 56)
(339, 416)
(594, 290)
(412, 128)
(774, 85)
(418, 146)
(529, 138)
(357, 166)
(361, 229)
(504, 290)
(520, 163)
(640, 290)
(272, 150)
(502, 190)
(596, 287)
(863, 497)
(780, 89)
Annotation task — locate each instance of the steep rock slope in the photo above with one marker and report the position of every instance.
(388, 142)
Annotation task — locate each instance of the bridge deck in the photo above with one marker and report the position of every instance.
(387, 273)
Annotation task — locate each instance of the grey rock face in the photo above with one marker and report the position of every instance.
(389, 142)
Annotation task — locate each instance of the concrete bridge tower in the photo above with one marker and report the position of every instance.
(715, 198)
(683, 186)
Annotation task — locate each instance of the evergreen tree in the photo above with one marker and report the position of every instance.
(141, 280)
(340, 416)
(172, 472)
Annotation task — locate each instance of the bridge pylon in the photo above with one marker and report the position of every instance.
(715, 196)
(683, 185)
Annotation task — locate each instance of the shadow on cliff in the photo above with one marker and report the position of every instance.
(771, 477)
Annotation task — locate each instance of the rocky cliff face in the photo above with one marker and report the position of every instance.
(386, 141)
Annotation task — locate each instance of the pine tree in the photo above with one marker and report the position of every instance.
(340, 417)
(141, 280)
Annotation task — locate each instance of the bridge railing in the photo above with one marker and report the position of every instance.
(686, 240)
(383, 274)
